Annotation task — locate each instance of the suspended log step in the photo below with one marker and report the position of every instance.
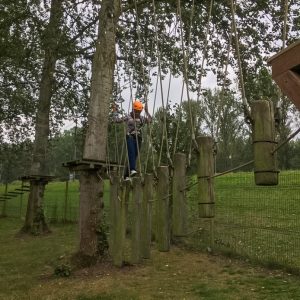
(286, 71)
(89, 164)
(6, 197)
(42, 178)
(15, 193)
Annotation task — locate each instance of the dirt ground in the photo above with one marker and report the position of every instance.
(178, 274)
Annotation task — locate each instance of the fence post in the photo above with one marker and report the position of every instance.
(265, 166)
(146, 216)
(179, 207)
(117, 220)
(136, 220)
(205, 182)
(162, 209)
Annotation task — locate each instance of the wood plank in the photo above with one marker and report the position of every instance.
(25, 190)
(289, 83)
(285, 59)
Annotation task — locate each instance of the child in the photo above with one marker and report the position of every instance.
(134, 122)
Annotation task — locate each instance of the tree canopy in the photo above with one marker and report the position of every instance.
(154, 38)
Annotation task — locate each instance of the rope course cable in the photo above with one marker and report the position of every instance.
(286, 141)
(185, 71)
(284, 38)
(204, 55)
(240, 77)
(146, 90)
(158, 53)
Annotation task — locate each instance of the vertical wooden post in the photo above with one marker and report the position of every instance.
(66, 200)
(146, 216)
(265, 167)
(205, 171)
(179, 209)
(117, 220)
(4, 202)
(162, 212)
(136, 220)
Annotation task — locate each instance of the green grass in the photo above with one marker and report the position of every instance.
(23, 260)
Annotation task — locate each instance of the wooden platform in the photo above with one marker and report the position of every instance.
(89, 164)
(286, 71)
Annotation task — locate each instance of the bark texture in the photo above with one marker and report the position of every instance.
(91, 185)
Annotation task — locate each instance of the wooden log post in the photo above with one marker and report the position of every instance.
(146, 215)
(66, 200)
(136, 220)
(117, 220)
(265, 166)
(163, 210)
(205, 182)
(179, 208)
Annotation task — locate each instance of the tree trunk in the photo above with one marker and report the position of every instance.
(38, 167)
(91, 187)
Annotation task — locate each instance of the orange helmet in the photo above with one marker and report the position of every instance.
(137, 105)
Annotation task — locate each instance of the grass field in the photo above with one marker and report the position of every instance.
(27, 265)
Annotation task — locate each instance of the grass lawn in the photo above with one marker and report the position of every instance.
(27, 264)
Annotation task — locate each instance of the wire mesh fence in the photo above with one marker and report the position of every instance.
(259, 223)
